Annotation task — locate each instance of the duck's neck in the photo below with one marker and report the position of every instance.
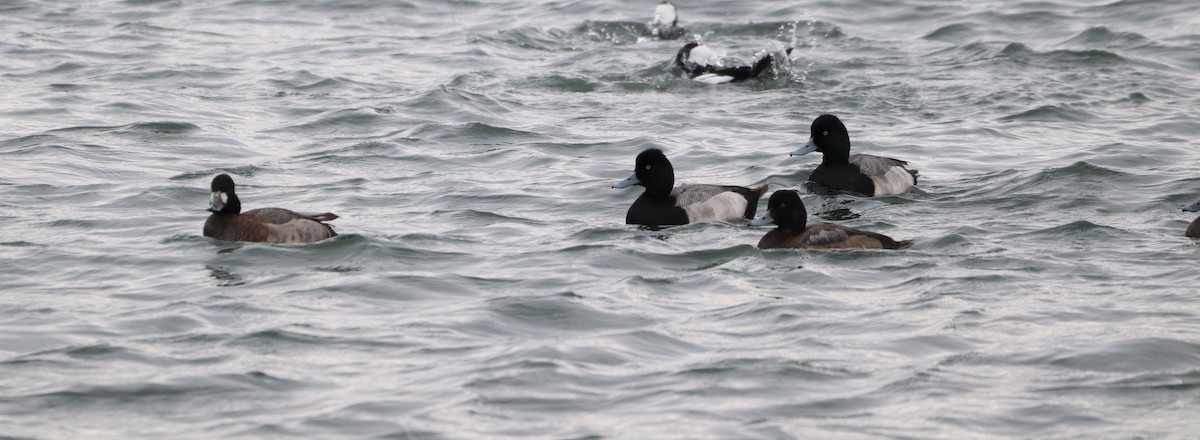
(836, 157)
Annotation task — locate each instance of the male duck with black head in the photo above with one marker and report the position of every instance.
(664, 204)
(787, 210)
(858, 173)
(266, 225)
(1193, 229)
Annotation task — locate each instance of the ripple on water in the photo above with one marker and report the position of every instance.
(955, 33)
(1053, 113)
(559, 315)
(484, 285)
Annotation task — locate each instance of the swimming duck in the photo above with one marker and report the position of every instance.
(665, 24)
(1193, 229)
(268, 225)
(785, 209)
(859, 173)
(663, 204)
(701, 64)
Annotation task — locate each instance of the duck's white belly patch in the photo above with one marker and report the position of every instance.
(895, 181)
(724, 206)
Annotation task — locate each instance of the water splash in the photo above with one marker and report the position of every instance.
(799, 33)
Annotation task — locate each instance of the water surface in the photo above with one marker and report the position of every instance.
(484, 284)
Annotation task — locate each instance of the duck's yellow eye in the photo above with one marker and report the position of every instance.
(783, 205)
(647, 167)
(825, 133)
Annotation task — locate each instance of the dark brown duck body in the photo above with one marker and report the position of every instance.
(827, 236)
(1193, 229)
(787, 210)
(269, 225)
(266, 225)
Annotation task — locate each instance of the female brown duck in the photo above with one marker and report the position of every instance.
(1193, 229)
(267, 225)
(787, 210)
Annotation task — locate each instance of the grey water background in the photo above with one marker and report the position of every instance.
(484, 284)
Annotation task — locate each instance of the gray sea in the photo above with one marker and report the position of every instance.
(484, 284)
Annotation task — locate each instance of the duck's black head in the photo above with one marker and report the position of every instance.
(828, 137)
(653, 171)
(224, 199)
(685, 55)
(786, 210)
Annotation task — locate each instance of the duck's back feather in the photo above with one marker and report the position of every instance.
(270, 225)
(689, 194)
(299, 231)
(827, 236)
(889, 176)
(727, 205)
(872, 165)
(279, 216)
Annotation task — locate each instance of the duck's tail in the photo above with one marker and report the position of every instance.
(752, 200)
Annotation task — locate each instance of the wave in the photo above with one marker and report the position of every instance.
(523, 315)
(1102, 36)
(180, 391)
(1127, 356)
(1053, 113)
(955, 33)
(1056, 58)
(597, 34)
(1146, 11)
(528, 38)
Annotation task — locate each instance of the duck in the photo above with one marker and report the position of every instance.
(864, 174)
(700, 63)
(786, 209)
(265, 225)
(1193, 229)
(664, 204)
(665, 24)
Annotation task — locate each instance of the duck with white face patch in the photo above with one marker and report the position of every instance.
(267, 225)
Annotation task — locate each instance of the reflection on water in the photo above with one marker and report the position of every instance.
(224, 276)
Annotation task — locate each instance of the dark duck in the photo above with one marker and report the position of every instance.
(1193, 229)
(664, 204)
(266, 225)
(856, 173)
(786, 210)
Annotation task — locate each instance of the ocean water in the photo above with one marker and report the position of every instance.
(484, 284)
